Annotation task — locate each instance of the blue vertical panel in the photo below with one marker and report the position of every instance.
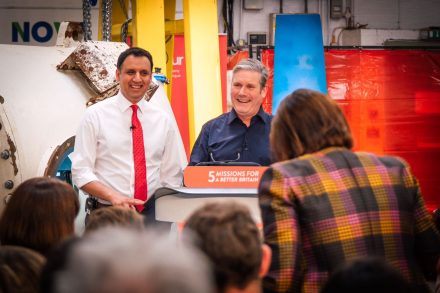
(299, 56)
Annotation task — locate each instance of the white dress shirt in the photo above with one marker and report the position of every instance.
(104, 150)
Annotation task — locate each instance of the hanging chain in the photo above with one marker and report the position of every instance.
(124, 26)
(107, 20)
(124, 30)
(87, 24)
(124, 9)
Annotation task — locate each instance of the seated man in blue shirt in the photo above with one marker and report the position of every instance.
(241, 135)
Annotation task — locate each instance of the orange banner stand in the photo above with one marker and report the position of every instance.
(222, 176)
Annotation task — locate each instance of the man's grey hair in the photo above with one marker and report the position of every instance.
(117, 260)
(253, 65)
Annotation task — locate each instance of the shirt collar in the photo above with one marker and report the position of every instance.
(263, 115)
(124, 104)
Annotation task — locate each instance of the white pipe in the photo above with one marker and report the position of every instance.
(241, 20)
(327, 15)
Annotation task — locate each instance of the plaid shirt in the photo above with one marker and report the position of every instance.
(321, 209)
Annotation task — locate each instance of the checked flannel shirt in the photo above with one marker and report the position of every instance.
(321, 209)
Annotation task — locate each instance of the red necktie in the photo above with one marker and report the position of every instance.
(140, 165)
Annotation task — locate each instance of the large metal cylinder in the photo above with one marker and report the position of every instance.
(40, 109)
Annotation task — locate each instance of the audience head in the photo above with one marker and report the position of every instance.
(228, 235)
(117, 260)
(366, 275)
(248, 88)
(39, 214)
(56, 263)
(306, 122)
(19, 269)
(114, 216)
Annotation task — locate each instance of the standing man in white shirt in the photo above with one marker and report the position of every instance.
(103, 158)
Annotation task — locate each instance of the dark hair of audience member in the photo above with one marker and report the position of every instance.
(227, 234)
(114, 216)
(39, 214)
(19, 269)
(437, 281)
(56, 263)
(366, 275)
(304, 123)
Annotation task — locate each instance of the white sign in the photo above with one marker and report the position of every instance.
(28, 23)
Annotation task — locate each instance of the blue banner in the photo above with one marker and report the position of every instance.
(299, 56)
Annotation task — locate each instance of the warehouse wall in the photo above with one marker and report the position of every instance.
(376, 14)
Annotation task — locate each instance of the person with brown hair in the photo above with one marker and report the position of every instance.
(20, 269)
(228, 235)
(39, 214)
(114, 216)
(323, 204)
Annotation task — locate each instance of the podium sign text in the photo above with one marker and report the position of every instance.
(222, 176)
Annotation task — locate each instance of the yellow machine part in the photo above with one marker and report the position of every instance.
(153, 28)
(202, 63)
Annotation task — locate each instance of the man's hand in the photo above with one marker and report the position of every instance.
(127, 202)
(98, 189)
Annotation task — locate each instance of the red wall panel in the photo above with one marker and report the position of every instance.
(391, 99)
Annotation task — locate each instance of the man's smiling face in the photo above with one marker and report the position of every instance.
(247, 94)
(134, 77)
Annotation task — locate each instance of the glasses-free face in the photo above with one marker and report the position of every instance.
(247, 94)
(134, 77)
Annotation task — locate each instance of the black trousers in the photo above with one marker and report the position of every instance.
(149, 214)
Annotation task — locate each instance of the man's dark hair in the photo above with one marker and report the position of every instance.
(135, 51)
(230, 238)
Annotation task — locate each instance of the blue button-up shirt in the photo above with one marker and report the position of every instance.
(228, 138)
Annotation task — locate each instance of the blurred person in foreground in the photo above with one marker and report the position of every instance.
(120, 260)
(20, 269)
(40, 214)
(323, 204)
(228, 235)
(56, 263)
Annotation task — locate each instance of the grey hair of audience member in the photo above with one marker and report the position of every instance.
(117, 260)
(253, 65)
